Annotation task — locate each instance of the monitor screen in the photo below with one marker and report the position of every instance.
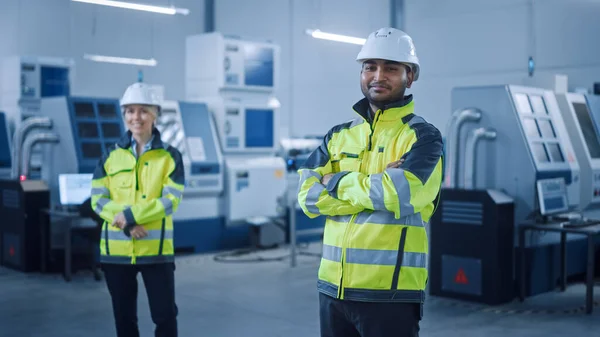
(5, 157)
(258, 63)
(74, 189)
(587, 129)
(552, 196)
(259, 128)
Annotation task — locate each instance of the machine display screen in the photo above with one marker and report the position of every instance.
(546, 128)
(540, 153)
(111, 130)
(5, 159)
(538, 104)
(522, 103)
(553, 204)
(91, 150)
(106, 111)
(587, 129)
(259, 128)
(555, 152)
(55, 81)
(87, 130)
(531, 128)
(84, 110)
(258, 63)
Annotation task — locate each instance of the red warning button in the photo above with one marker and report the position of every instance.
(460, 277)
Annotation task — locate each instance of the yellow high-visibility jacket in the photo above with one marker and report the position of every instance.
(375, 242)
(148, 191)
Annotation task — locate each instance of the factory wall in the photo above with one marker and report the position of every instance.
(62, 28)
(475, 42)
(319, 79)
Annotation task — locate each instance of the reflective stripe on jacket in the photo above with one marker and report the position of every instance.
(148, 191)
(375, 242)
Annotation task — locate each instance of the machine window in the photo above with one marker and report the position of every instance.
(537, 102)
(546, 128)
(91, 150)
(87, 130)
(259, 128)
(587, 129)
(555, 152)
(111, 130)
(107, 110)
(539, 152)
(522, 103)
(84, 110)
(531, 128)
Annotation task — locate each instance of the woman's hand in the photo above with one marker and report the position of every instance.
(119, 221)
(138, 232)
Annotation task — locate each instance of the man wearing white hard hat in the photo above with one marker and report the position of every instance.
(136, 188)
(377, 179)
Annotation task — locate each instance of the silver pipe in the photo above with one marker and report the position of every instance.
(30, 142)
(470, 151)
(453, 138)
(26, 126)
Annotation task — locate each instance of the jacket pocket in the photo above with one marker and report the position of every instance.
(399, 258)
(121, 177)
(346, 159)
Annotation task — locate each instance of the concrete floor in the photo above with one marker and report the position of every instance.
(258, 299)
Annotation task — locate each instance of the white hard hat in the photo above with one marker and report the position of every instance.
(140, 93)
(390, 44)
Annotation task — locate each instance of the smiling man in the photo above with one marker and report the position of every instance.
(377, 179)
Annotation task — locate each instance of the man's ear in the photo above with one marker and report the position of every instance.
(410, 76)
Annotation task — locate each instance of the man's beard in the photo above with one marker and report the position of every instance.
(382, 103)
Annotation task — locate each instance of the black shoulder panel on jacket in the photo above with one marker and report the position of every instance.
(426, 152)
(178, 174)
(100, 172)
(320, 156)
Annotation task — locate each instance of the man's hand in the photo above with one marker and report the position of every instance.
(138, 232)
(119, 221)
(395, 164)
(326, 178)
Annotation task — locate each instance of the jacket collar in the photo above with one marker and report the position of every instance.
(393, 111)
(125, 141)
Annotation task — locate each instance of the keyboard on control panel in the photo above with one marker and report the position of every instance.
(581, 223)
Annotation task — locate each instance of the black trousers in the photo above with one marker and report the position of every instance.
(341, 318)
(159, 280)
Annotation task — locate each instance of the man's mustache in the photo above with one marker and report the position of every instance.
(376, 84)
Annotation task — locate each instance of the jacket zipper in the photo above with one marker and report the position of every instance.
(377, 114)
(343, 257)
(137, 188)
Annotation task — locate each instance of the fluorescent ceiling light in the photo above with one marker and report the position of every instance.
(122, 60)
(317, 34)
(138, 7)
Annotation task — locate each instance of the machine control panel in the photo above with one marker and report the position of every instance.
(552, 196)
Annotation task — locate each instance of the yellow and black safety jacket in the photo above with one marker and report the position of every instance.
(147, 190)
(375, 242)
